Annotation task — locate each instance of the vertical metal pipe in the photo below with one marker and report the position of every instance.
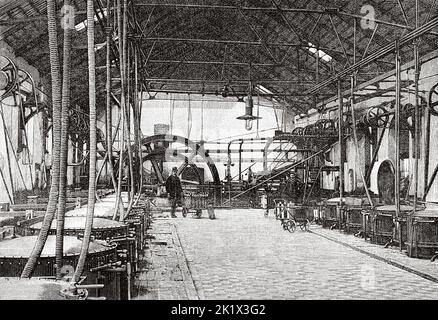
(341, 141)
(417, 115)
(77, 170)
(397, 139)
(138, 105)
(426, 150)
(417, 112)
(128, 119)
(283, 120)
(228, 177)
(119, 203)
(354, 40)
(416, 126)
(108, 118)
(6, 186)
(240, 160)
(114, 12)
(11, 179)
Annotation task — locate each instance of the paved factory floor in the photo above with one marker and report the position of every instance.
(243, 255)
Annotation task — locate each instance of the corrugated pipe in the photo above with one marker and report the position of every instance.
(56, 118)
(93, 142)
(66, 75)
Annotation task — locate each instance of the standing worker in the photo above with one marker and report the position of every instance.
(292, 187)
(48, 167)
(282, 188)
(337, 186)
(252, 181)
(174, 192)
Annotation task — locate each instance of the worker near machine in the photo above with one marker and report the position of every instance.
(48, 167)
(174, 191)
(250, 176)
(404, 187)
(282, 188)
(337, 186)
(252, 181)
(292, 186)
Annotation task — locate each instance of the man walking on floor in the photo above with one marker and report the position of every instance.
(174, 192)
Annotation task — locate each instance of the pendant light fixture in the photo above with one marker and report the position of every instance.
(249, 106)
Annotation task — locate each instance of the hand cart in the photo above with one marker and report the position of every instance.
(298, 216)
(291, 215)
(195, 202)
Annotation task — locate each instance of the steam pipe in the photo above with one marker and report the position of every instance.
(341, 141)
(397, 140)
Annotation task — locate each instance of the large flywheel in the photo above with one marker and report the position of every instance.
(8, 76)
(433, 100)
(178, 151)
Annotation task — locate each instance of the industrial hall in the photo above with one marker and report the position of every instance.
(191, 150)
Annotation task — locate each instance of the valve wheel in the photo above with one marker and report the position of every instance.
(377, 117)
(433, 100)
(8, 76)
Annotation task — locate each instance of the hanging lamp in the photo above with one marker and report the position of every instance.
(249, 106)
(248, 116)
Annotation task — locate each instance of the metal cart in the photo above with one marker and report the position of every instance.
(298, 216)
(292, 215)
(345, 215)
(422, 230)
(195, 202)
(384, 224)
(331, 213)
(353, 213)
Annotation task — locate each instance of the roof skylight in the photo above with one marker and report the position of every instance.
(321, 54)
(82, 25)
(261, 89)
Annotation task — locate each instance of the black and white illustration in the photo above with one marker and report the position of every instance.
(218, 150)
